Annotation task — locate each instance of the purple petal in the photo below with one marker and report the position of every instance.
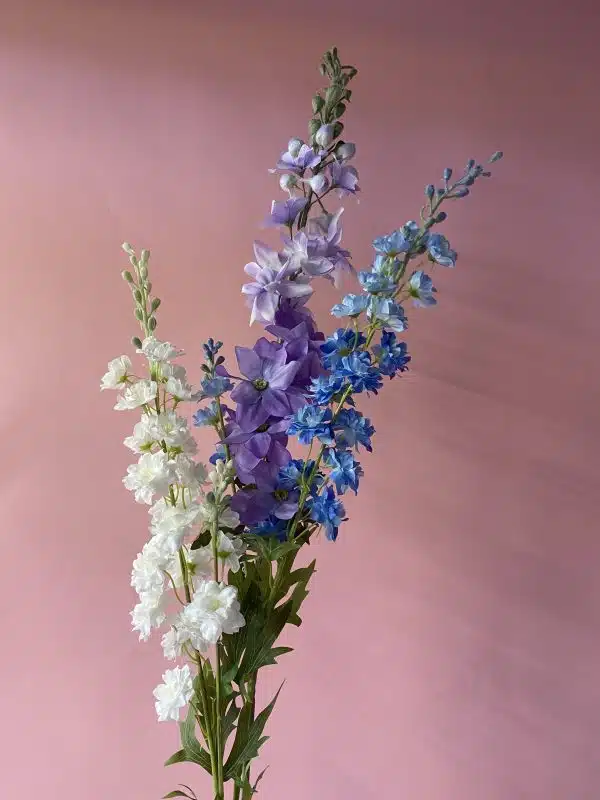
(279, 376)
(280, 455)
(274, 403)
(264, 308)
(253, 270)
(249, 418)
(266, 256)
(294, 289)
(252, 289)
(245, 394)
(259, 444)
(249, 362)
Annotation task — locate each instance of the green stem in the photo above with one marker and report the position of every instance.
(218, 778)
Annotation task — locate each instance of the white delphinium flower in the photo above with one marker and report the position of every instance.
(147, 573)
(173, 430)
(174, 693)
(221, 475)
(214, 610)
(144, 435)
(148, 613)
(229, 551)
(172, 644)
(200, 562)
(220, 513)
(168, 370)
(179, 389)
(152, 475)
(174, 521)
(189, 474)
(136, 395)
(155, 350)
(118, 373)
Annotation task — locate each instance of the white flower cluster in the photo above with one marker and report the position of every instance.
(168, 479)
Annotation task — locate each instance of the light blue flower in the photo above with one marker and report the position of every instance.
(421, 289)
(399, 241)
(351, 306)
(376, 282)
(206, 416)
(215, 387)
(440, 251)
(388, 313)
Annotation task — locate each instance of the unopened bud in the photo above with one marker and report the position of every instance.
(144, 256)
(430, 190)
(152, 323)
(447, 174)
(155, 303)
(319, 183)
(128, 249)
(497, 156)
(138, 296)
(127, 276)
(294, 146)
(288, 182)
(324, 136)
(143, 271)
(345, 151)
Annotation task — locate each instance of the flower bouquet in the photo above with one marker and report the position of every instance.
(219, 573)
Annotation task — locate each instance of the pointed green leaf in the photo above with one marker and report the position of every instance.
(176, 758)
(248, 743)
(193, 749)
(175, 793)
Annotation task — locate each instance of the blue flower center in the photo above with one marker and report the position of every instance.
(260, 384)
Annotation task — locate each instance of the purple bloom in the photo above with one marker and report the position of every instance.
(255, 505)
(307, 254)
(297, 161)
(259, 455)
(343, 178)
(271, 282)
(284, 212)
(302, 348)
(265, 393)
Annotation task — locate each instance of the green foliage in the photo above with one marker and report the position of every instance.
(249, 738)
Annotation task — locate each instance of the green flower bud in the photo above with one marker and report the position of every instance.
(138, 295)
(317, 103)
(139, 314)
(136, 342)
(313, 127)
(152, 323)
(149, 287)
(155, 303)
(143, 271)
(127, 276)
(133, 260)
(128, 249)
(145, 256)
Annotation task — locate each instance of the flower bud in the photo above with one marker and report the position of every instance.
(345, 151)
(441, 216)
(430, 190)
(294, 146)
(144, 256)
(447, 174)
(128, 249)
(324, 136)
(319, 183)
(288, 182)
(127, 276)
(497, 156)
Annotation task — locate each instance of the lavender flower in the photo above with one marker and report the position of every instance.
(259, 455)
(298, 159)
(265, 393)
(343, 178)
(271, 282)
(284, 212)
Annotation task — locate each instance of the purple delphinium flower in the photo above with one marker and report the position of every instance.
(284, 212)
(264, 393)
(343, 178)
(271, 282)
(327, 228)
(255, 505)
(307, 255)
(301, 348)
(259, 455)
(298, 160)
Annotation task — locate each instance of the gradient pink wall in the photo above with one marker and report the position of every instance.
(452, 644)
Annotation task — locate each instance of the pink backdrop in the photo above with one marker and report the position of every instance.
(452, 644)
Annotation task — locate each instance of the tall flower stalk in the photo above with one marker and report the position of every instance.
(218, 574)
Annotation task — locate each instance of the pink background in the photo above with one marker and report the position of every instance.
(452, 644)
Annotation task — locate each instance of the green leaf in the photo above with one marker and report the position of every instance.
(248, 742)
(192, 748)
(175, 793)
(176, 758)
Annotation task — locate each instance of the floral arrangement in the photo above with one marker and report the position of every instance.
(218, 574)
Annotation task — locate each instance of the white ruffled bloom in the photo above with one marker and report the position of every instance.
(155, 350)
(144, 435)
(148, 613)
(214, 610)
(118, 373)
(175, 521)
(147, 571)
(201, 562)
(174, 431)
(229, 551)
(136, 395)
(153, 474)
(179, 389)
(171, 644)
(174, 693)
(190, 475)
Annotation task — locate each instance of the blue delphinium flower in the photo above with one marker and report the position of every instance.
(339, 344)
(399, 241)
(325, 387)
(294, 473)
(215, 387)
(388, 313)
(352, 429)
(312, 422)
(351, 306)
(421, 289)
(358, 370)
(391, 355)
(206, 416)
(218, 455)
(345, 471)
(326, 509)
(271, 526)
(376, 282)
(440, 251)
